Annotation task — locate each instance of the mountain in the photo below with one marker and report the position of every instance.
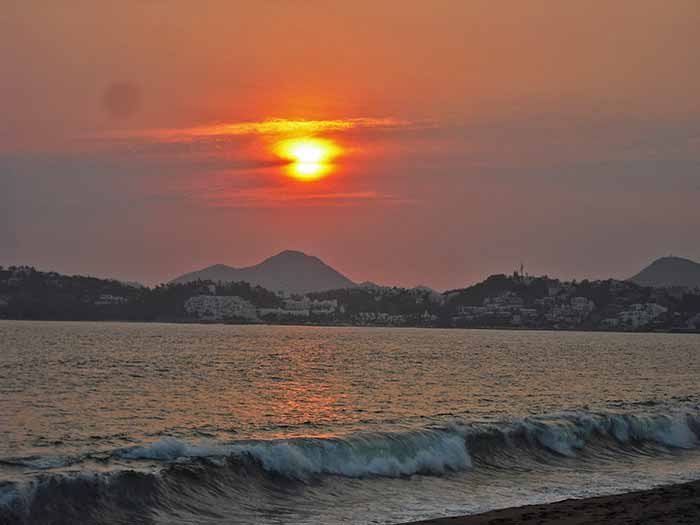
(669, 271)
(289, 271)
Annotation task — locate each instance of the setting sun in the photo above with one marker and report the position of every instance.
(309, 157)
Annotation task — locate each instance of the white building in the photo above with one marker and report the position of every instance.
(110, 299)
(297, 304)
(324, 307)
(583, 305)
(639, 315)
(282, 312)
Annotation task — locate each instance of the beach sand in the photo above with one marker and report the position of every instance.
(672, 504)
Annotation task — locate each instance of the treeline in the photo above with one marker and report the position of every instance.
(392, 301)
(26, 293)
(514, 300)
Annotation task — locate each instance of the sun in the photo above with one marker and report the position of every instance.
(309, 158)
(308, 152)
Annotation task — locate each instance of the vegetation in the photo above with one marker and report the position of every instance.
(26, 293)
(499, 301)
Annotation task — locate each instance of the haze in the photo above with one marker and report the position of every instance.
(475, 136)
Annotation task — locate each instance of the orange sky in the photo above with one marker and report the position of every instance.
(474, 136)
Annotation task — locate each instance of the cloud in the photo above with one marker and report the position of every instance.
(279, 197)
(269, 127)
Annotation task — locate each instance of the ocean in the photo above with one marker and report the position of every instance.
(212, 424)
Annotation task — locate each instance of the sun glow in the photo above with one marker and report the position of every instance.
(309, 157)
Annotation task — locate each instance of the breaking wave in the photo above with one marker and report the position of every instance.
(388, 454)
(196, 479)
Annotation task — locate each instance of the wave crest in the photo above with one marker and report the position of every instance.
(399, 454)
(244, 471)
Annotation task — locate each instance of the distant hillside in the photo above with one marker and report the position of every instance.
(669, 271)
(501, 301)
(290, 271)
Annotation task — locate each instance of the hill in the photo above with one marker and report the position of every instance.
(289, 271)
(501, 301)
(669, 271)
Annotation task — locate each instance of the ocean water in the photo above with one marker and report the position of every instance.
(205, 424)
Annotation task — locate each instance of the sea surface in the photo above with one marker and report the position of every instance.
(208, 424)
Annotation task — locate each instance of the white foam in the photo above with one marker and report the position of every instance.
(357, 456)
(427, 451)
(572, 431)
(382, 455)
(168, 449)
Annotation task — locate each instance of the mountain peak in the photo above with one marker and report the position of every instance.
(218, 267)
(289, 254)
(290, 271)
(672, 259)
(669, 271)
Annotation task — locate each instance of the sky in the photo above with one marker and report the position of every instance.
(142, 139)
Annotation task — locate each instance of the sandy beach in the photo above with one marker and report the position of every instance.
(672, 504)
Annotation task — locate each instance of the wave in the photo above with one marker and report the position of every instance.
(380, 454)
(570, 434)
(190, 474)
(438, 450)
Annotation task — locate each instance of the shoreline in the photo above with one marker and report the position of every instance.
(667, 504)
(350, 325)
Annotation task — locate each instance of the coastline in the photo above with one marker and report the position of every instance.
(668, 504)
(351, 325)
